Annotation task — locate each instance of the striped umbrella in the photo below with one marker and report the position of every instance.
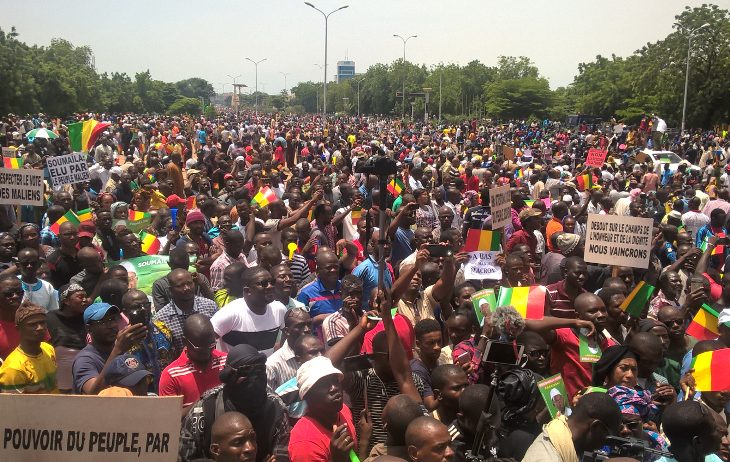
(40, 133)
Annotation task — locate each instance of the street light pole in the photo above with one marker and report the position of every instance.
(686, 72)
(256, 66)
(358, 95)
(404, 69)
(284, 74)
(326, 18)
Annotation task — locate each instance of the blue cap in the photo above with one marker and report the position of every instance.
(126, 371)
(96, 311)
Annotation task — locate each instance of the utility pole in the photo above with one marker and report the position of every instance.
(256, 66)
(405, 70)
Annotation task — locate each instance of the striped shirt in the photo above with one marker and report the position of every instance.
(281, 366)
(299, 268)
(319, 299)
(184, 377)
(219, 265)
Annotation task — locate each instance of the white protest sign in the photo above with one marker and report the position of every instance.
(618, 240)
(500, 204)
(8, 152)
(482, 265)
(64, 428)
(21, 186)
(68, 169)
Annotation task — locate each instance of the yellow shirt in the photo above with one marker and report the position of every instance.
(23, 373)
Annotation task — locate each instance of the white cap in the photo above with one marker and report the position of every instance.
(313, 371)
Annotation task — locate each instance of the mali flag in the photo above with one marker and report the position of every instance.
(69, 216)
(138, 216)
(718, 250)
(150, 244)
(80, 133)
(264, 197)
(12, 162)
(395, 187)
(355, 216)
(635, 303)
(710, 370)
(482, 240)
(528, 301)
(704, 325)
(584, 182)
(84, 215)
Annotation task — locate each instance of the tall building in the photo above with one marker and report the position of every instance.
(345, 70)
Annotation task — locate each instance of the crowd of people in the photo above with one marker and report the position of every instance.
(271, 324)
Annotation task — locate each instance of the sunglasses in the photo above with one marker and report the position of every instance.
(210, 346)
(264, 284)
(538, 353)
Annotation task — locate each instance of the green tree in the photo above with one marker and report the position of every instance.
(185, 105)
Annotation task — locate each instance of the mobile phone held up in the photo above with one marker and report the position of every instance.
(436, 250)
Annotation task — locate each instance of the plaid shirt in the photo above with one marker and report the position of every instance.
(219, 265)
(174, 319)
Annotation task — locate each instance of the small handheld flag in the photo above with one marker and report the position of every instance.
(482, 240)
(635, 303)
(704, 325)
(84, 215)
(584, 181)
(355, 216)
(710, 370)
(528, 301)
(68, 217)
(190, 203)
(134, 215)
(395, 187)
(264, 197)
(12, 162)
(150, 244)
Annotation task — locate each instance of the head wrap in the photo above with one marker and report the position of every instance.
(609, 358)
(517, 389)
(634, 402)
(26, 311)
(241, 355)
(117, 205)
(67, 290)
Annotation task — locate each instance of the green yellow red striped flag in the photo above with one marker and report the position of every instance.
(264, 197)
(84, 215)
(636, 302)
(395, 187)
(13, 162)
(355, 216)
(69, 217)
(482, 240)
(710, 370)
(137, 216)
(528, 301)
(150, 244)
(704, 325)
(584, 181)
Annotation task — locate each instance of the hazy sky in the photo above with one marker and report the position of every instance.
(180, 39)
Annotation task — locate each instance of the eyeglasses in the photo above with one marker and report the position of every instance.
(210, 346)
(265, 283)
(538, 353)
(145, 305)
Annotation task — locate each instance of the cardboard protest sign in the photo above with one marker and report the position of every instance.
(65, 428)
(500, 203)
(508, 152)
(482, 265)
(618, 240)
(68, 169)
(553, 392)
(596, 157)
(21, 186)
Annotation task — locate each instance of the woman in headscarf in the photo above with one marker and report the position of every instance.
(120, 210)
(68, 331)
(29, 237)
(617, 367)
(637, 411)
(523, 412)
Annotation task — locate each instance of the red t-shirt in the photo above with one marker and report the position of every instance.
(184, 377)
(565, 360)
(471, 183)
(309, 441)
(9, 338)
(405, 332)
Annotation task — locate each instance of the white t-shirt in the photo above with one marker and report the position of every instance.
(235, 323)
(349, 231)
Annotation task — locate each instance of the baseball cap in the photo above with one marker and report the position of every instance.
(126, 371)
(87, 229)
(313, 371)
(96, 311)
